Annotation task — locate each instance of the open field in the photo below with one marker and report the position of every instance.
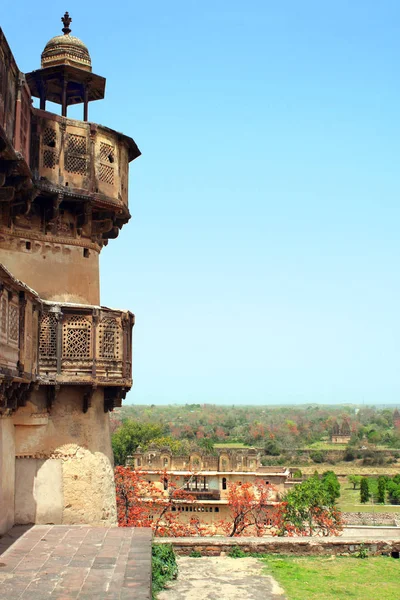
(231, 445)
(326, 446)
(345, 468)
(335, 578)
(349, 501)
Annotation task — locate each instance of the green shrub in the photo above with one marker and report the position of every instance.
(195, 554)
(164, 567)
(236, 552)
(363, 552)
(317, 456)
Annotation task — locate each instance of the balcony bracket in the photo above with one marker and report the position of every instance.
(87, 398)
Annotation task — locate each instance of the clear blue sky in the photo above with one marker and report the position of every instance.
(262, 258)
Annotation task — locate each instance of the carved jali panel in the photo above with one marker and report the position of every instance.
(110, 339)
(3, 316)
(49, 144)
(107, 158)
(48, 336)
(13, 324)
(76, 338)
(75, 154)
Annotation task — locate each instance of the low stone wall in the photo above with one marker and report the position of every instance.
(370, 518)
(299, 546)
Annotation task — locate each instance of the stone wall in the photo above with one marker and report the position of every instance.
(298, 546)
(64, 461)
(7, 474)
(370, 518)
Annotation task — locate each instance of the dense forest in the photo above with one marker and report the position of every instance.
(277, 430)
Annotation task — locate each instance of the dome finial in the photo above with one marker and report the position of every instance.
(66, 19)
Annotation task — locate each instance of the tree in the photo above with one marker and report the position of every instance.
(381, 490)
(364, 490)
(355, 480)
(308, 509)
(331, 483)
(141, 503)
(272, 448)
(131, 435)
(249, 507)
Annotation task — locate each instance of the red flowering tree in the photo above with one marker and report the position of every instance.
(143, 503)
(250, 508)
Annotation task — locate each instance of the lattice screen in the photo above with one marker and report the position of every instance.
(13, 323)
(49, 137)
(75, 155)
(48, 336)
(110, 339)
(107, 158)
(3, 316)
(76, 337)
(49, 159)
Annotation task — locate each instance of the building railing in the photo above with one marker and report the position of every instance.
(80, 344)
(205, 494)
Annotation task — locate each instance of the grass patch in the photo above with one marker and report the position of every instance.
(335, 578)
(164, 567)
(349, 501)
(326, 446)
(231, 445)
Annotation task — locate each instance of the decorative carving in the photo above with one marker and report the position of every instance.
(13, 323)
(75, 156)
(110, 339)
(49, 137)
(48, 336)
(66, 20)
(107, 158)
(87, 399)
(51, 395)
(13, 394)
(3, 316)
(33, 235)
(113, 397)
(76, 337)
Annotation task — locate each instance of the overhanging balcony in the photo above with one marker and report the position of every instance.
(85, 345)
(205, 494)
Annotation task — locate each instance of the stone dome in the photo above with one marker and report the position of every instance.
(66, 49)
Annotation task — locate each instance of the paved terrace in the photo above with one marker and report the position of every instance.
(78, 562)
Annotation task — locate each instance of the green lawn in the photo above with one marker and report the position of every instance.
(326, 446)
(336, 578)
(231, 445)
(349, 501)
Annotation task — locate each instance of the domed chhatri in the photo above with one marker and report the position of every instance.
(66, 49)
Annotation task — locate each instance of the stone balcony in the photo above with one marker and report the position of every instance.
(205, 494)
(85, 345)
(52, 344)
(83, 159)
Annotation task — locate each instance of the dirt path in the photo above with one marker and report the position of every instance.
(222, 578)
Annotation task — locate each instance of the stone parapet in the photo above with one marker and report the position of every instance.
(371, 518)
(300, 546)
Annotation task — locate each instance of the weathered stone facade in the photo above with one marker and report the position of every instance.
(65, 360)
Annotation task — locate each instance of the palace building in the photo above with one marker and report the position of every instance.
(207, 477)
(65, 360)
